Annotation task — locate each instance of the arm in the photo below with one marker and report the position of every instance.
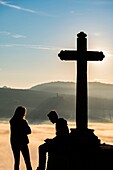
(26, 128)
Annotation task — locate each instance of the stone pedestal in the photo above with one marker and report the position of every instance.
(82, 150)
(84, 139)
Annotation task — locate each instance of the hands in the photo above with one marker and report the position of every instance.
(47, 140)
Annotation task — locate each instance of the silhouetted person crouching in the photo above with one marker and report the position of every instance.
(18, 137)
(52, 145)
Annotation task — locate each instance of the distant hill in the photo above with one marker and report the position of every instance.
(60, 96)
(100, 90)
(56, 87)
(11, 98)
(95, 89)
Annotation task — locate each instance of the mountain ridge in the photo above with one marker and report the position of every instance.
(60, 96)
(56, 82)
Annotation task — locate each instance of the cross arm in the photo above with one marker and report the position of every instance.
(68, 55)
(94, 55)
(76, 55)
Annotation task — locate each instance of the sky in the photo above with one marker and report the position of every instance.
(33, 32)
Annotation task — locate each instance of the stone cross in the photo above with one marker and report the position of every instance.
(82, 56)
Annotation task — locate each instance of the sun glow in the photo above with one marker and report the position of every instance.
(101, 70)
(107, 55)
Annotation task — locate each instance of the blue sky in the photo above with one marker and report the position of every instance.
(33, 32)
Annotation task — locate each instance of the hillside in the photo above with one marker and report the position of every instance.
(11, 98)
(95, 89)
(56, 87)
(60, 96)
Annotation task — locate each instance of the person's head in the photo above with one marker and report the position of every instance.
(53, 116)
(20, 112)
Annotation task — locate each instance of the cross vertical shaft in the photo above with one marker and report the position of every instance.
(81, 87)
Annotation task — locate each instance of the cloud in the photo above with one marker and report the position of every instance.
(97, 34)
(72, 12)
(16, 7)
(6, 33)
(40, 47)
(18, 36)
(24, 9)
(33, 46)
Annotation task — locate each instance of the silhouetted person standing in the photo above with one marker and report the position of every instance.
(62, 133)
(18, 137)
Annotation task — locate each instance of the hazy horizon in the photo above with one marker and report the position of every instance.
(53, 82)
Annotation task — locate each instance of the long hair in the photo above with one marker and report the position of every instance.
(19, 112)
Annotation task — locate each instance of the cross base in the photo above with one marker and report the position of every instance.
(84, 138)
